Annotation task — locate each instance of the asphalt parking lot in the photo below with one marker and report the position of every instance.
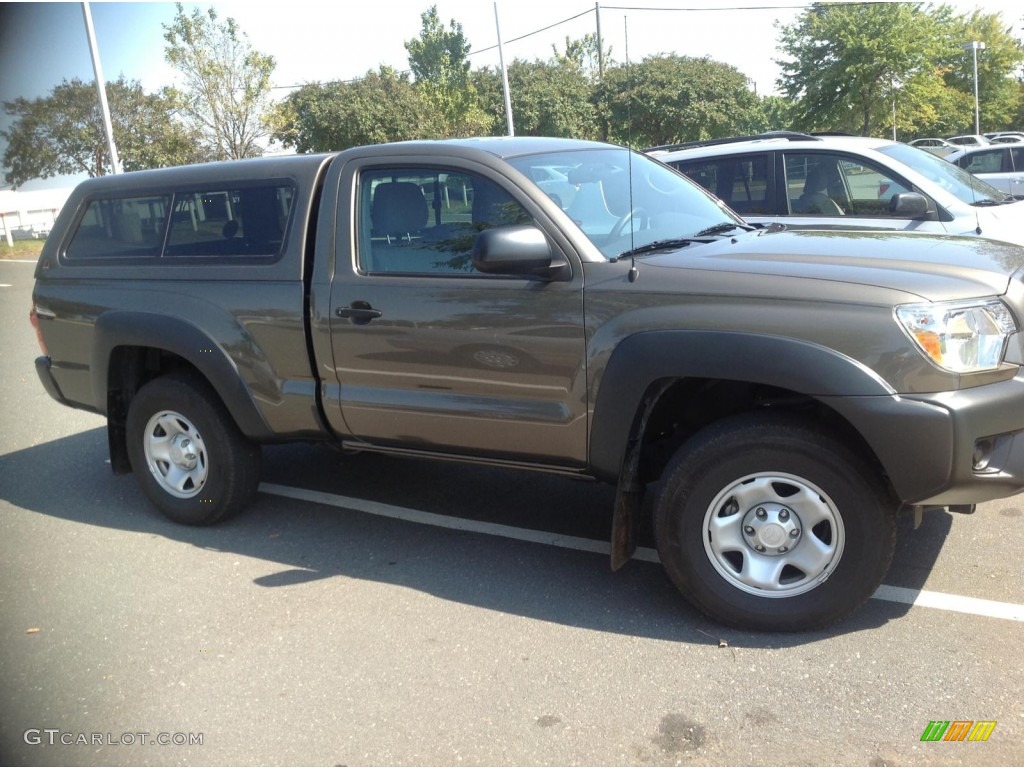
(377, 611)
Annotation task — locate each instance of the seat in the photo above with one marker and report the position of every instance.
(399, 210)
(398, 216)
(815, 198)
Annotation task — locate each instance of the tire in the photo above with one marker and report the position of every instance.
(187, 453)
(764, 522)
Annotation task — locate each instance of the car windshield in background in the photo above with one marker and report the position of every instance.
(955, 180)
(623, 200)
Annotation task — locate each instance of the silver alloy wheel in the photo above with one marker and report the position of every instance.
(176, 454)
(773, 534)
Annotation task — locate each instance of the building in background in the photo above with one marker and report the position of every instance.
(29, 215)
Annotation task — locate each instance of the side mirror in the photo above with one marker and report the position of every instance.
(518, 250)
(910, 204)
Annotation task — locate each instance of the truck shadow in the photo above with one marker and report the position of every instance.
(305, 542)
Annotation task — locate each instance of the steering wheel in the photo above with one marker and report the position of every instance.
(637, 213)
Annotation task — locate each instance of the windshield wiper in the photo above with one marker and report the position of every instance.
(680, 242)
(719, 229)
(657, 245)
(988, 201)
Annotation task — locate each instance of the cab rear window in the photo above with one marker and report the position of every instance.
(214, 223)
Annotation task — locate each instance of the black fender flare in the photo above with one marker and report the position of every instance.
(644, 359)
(185, 340)
(913, 440)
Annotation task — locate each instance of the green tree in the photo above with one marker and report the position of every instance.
(777, 114)
(847, 63)
(227, 83)
(548, 99)
(382, 106)
(439, 62)
(62, 134)
(582, 55)
(667, 99)
(999, 93)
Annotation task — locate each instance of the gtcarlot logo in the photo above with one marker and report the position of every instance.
(54, 737)
(958, 730)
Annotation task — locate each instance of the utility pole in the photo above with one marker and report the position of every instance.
(115, 161)
(504, 74)
(974, 46)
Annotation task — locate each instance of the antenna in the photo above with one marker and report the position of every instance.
(633, 273)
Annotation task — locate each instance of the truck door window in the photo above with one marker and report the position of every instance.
(423, 221)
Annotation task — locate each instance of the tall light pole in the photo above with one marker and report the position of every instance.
(974, 46)
(115, 161)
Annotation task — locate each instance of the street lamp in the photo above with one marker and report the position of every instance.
(975, 46)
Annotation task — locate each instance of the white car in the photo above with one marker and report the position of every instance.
(847, 182)
(1000, 136)
(939, 147)
(970, 140)
(1001, 165)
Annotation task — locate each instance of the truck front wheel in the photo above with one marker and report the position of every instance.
(767, 523)
(187, 453)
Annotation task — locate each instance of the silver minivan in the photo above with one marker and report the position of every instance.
(847, 182)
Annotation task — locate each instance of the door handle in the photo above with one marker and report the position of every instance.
(359, 312)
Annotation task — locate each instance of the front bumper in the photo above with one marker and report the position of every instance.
(962, 447)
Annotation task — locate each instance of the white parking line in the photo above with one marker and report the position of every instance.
(916, 597)
(973, 605)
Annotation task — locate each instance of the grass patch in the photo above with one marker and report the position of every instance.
(23, 249)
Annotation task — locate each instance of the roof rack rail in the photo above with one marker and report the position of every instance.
(788, 135)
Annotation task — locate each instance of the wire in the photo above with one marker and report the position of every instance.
(536, 32)
(622, 8)
(752, 7)
(471, 53)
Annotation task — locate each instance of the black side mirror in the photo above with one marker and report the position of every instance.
(518, 250)
(910, 204)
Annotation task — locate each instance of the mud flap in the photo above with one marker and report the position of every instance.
(630, 494)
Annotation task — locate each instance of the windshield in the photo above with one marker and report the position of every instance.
(966, 187)
(622, 200)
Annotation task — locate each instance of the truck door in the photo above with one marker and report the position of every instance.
(431, 354)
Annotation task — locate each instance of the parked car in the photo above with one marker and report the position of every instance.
(847, 182)
(969, 140)
(30, 232)
(1003, 134)
(1000, 165)
(1009, 138)
(939, 147)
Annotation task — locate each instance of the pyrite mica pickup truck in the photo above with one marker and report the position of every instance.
(554, 305)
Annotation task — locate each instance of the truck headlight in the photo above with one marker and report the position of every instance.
(960, 336)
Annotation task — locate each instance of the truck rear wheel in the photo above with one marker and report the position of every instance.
(187, 453)
(766, 523)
